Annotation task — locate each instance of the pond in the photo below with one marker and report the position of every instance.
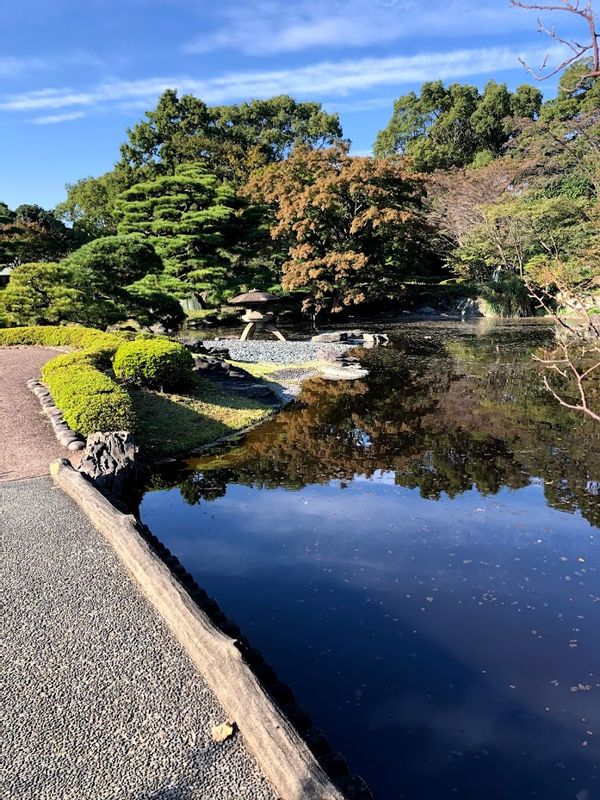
(417, 555)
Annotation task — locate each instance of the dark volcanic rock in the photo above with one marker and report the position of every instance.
(111, 462)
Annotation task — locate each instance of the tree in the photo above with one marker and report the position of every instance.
(522, 228)
(89, 206)
(456, 198)
(104, 269)
(184, 216)
(451, 127)
(41, 293)
(575, 360)
(232, 140)
(33, 234)
(351, 226)
(590, 49)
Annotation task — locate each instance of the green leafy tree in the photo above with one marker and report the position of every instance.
(103, 269)
(89, 205)
(526, 101)
(33, 234)
(517, 230)
(448, 127)
(185, 217)
(232, 140)
(6, 220)
(41, 293)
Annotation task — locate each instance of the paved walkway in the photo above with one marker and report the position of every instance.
(27, 441)
(99, 701)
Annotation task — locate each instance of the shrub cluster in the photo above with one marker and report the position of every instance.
(155, 363)
(89, 399)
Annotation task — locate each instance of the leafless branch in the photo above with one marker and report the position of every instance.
(590, 48)
(575, 343)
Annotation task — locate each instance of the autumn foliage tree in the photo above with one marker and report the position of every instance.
(30, 233)
(351, 226)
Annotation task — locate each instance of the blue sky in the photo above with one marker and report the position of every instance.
(75, 73)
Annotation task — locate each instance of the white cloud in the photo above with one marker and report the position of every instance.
(11, 65)
(19, 65)
(264, 28)
(53, 119)
(324, 79)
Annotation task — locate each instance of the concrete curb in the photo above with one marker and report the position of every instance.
(283, 755)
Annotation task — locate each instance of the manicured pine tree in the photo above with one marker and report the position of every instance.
(185, 216)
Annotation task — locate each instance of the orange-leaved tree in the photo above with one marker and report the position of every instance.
(351, 227)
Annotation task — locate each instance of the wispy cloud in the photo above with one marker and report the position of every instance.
(12, 65)
(324, 79)
(263, 27)
(20, 65)
(53, 119)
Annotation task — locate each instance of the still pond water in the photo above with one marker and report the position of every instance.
(418, 556)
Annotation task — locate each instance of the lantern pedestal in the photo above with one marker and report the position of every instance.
(259, 321)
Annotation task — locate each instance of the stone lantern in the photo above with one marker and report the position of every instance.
(257, 314)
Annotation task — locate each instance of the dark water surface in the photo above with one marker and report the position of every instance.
(417, 555)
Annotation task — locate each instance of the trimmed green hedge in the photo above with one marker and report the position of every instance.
(89, 399)
(155, 363)
(60, 336)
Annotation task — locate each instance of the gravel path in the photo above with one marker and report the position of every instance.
(27, 442)
(99, 701)
(276, 352)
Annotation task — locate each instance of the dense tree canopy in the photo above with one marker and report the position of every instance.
(351, 226)
(89, 206)
(185, 217)
(31, 233)
(104, 282)
(446, 127)
(232, 140)
(41, 293)
(493, 186)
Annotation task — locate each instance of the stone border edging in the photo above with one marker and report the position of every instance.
(66, 437)
(284, 756)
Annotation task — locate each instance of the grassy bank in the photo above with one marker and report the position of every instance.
(84, 387)
(174, 424)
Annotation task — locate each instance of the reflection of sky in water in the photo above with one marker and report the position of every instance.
(448, 649)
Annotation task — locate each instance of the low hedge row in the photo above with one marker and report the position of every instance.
(89, 398)
(60, 336)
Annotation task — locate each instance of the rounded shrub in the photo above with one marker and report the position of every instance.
(155, 363)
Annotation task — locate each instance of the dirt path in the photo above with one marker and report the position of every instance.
(27, 442)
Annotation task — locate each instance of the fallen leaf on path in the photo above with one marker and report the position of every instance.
(222, 732)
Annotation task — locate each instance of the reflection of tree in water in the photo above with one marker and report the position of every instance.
(444, 418)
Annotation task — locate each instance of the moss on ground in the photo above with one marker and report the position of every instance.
(173, 424)
(263, 369)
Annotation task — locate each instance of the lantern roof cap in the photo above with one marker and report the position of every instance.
(254, 296)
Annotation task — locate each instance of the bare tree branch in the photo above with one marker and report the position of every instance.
(591, 48)
(575, 343)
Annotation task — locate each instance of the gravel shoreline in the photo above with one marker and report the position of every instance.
(275, 352)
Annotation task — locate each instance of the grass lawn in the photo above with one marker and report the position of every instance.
(174, 424)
